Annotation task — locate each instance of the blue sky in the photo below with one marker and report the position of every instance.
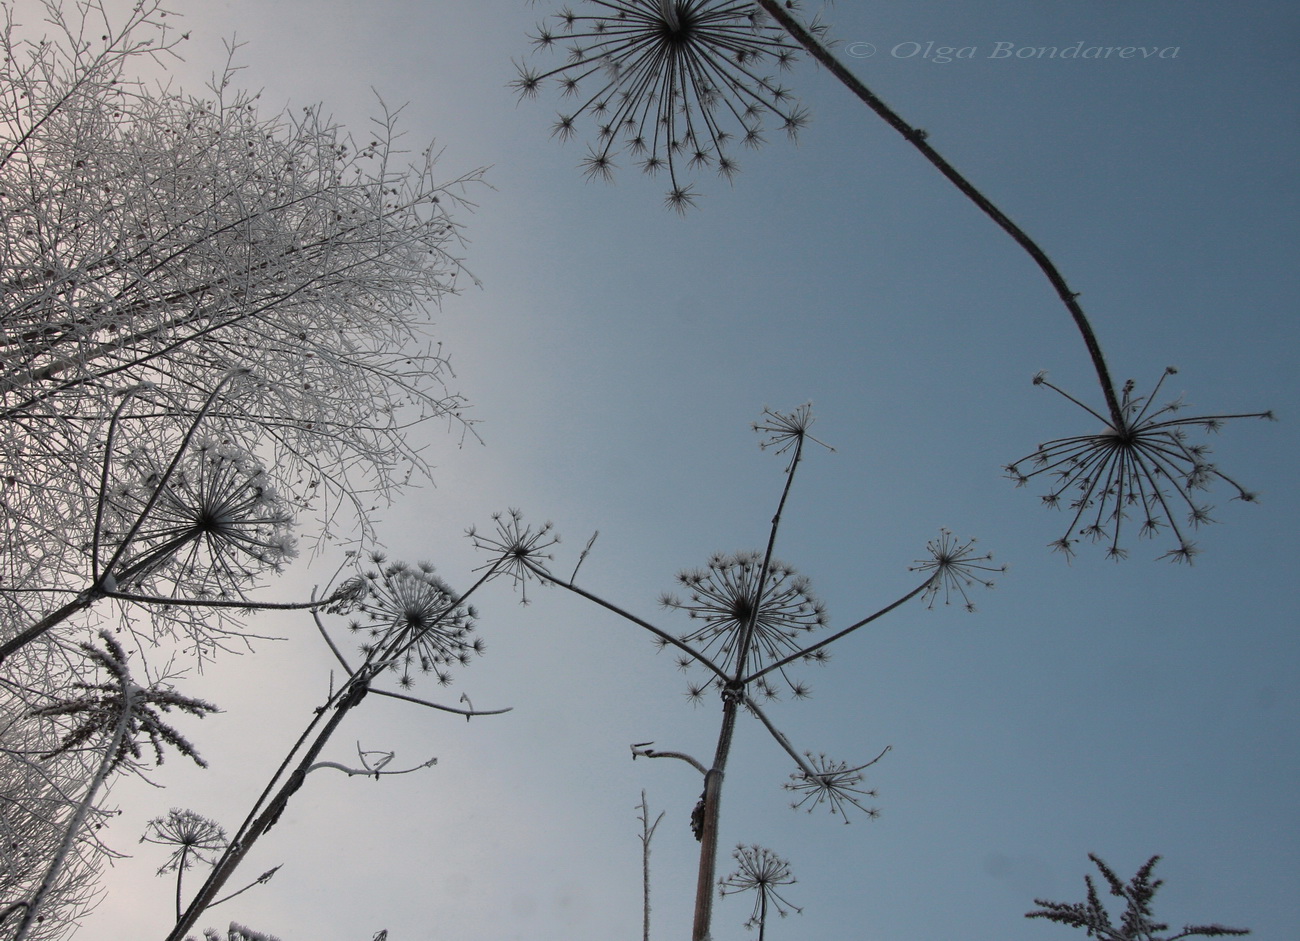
(616, 355)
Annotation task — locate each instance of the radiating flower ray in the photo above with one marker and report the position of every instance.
(834, 784)
(724, 596)
(415, 622)
(214, 526)
(515, 549)
(674, 83)
(1144, 466)
(954, 568)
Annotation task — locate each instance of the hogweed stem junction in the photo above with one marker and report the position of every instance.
(751, 614)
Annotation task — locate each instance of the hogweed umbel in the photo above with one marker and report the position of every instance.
(517, 550)
(761, 871)
(1139, 465)
(415, 622)
(783, 431)
(833, 784)
(725, 597)
(674, 83)
(194, 837)
(954, 567)
(212, 525)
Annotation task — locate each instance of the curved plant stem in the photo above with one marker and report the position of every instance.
(917, 138)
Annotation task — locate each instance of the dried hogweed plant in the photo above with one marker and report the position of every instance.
(184, 524)
(408, 625)
(955, 569)
(834, 784)
(762, 872)
(212, 528)
(195, 839)
(691, 65)
(1141, 470)
(728, 598)
(754, 621)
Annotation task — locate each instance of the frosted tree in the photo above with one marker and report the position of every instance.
(153, 240)
(213, 324)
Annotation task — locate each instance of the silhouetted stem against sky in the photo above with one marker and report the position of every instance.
(917, 138)
(431, 616)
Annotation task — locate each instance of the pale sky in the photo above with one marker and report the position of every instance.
(616, 355)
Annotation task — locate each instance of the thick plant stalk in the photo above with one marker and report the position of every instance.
(349, 697)
(78, 820)
(917, 138)
(732, 695)
(709, 827)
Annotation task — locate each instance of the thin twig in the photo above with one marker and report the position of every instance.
(640, 751)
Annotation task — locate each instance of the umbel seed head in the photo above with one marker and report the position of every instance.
(675, 85)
